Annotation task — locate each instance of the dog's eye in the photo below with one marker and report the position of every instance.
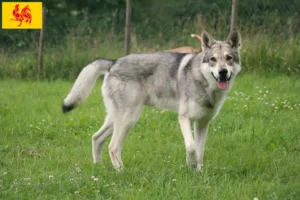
(213, 59)
(228, 57)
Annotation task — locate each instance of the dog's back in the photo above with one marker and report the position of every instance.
(150, 78)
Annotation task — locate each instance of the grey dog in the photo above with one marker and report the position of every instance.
(193, 85)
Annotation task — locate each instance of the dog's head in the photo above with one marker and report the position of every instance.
(221, 58)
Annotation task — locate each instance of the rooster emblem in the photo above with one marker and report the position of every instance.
(24, 15)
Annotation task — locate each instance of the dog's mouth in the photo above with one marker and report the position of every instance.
(223, 82)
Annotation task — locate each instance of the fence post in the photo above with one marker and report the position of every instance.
(234, 13)
(41, 45)
(128, 27)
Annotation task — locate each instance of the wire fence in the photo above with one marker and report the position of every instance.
(166, 19)
(83, 35)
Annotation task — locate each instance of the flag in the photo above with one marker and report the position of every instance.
(22, 15)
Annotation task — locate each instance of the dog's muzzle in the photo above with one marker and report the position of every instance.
(222, 80)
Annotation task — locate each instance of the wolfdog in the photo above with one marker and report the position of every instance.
(193, 85)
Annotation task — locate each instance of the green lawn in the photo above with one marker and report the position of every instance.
(253, 147)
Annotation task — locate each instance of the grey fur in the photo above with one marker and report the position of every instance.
(189, 84)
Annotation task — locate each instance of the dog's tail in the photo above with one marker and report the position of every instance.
(85, 83)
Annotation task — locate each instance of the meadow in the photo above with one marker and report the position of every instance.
(252, 151)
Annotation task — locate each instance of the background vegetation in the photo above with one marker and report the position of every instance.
(76, 32)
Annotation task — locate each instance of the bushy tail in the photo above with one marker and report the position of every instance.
(85, 83)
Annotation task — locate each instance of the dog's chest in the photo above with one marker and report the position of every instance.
(205, 109)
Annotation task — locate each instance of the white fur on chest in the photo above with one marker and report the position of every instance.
(197, 111)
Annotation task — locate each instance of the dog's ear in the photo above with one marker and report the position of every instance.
(234, 39)
(206, 41)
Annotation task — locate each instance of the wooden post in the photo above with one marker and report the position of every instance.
(201, 22)
(41, 45)
(234, 14)
(128, 27)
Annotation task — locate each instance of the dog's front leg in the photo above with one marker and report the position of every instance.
(200, 132)
(185, 125)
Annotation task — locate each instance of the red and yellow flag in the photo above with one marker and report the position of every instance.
(22, 15)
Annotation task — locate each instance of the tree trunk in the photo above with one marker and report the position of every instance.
(234, 14)
(128, 27)
(41, 45)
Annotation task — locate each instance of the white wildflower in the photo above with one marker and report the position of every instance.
(26, 179)
(96, 180)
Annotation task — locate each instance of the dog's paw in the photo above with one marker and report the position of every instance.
(191, 158)
(119, 169)
(199, 168)
(97, 159)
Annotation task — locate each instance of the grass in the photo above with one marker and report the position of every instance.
(253, 147)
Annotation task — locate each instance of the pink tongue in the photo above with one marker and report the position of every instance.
(222, 84)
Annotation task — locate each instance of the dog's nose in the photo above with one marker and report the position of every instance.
(223, 72)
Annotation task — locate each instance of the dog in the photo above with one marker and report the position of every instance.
(184, 49)
(193, 85)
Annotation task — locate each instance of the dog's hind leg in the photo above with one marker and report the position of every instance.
(99, 138)
(123, 122)
(200, 131)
